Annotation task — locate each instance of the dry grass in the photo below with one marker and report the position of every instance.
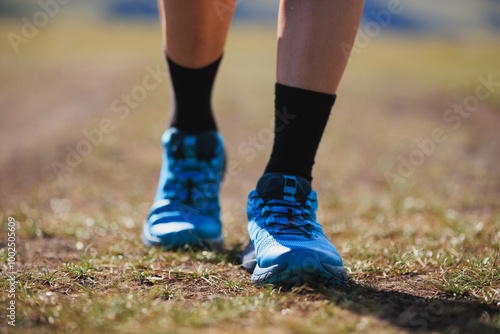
(421, 257)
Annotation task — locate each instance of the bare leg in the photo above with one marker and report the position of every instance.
(310, 66)
(186, 208)
(310, 34)
(194, 31)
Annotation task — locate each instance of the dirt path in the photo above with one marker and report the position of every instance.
(43, 112)
(402, 246)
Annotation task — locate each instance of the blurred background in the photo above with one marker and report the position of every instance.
(445, 18)
(72, 148)
(407, 173)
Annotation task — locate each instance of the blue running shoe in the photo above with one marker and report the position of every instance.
(186, 208)
(287, 244)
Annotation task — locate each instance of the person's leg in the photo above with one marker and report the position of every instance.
(186, 207)
(289, 243)
(311, 61)
(311, 39)
(194, 34)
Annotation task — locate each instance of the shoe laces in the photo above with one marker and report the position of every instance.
(192, 184)
(290, 218)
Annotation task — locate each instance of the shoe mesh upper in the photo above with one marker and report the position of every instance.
(191, 172)
(277, 226)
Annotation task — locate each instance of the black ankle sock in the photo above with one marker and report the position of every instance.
(300, 119)
(191, 94)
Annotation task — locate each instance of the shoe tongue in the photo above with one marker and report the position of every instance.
(206, 145)
(289, 187)
(201, 146)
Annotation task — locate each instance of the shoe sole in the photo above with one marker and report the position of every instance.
(181, 238)
(304, 267)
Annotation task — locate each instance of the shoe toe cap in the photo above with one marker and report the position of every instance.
(168, 227)
(162, 229)
(281, 253)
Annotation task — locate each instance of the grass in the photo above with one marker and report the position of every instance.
(422, 257)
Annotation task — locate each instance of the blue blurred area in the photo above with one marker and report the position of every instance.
(398, 22)
(246, 10)
(134, 8)
(494, 20)
(448, 17)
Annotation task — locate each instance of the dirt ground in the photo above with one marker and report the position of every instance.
(420, 245)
